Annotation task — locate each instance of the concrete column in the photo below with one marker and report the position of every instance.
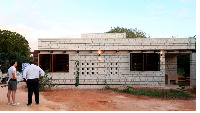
(192, 69)
(171, 63)
(162, 69)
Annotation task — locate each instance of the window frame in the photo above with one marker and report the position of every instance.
(145, 62)
(52, 64)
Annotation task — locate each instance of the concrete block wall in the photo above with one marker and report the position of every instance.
(112, 68)
(66, 77)
(116, 43)
(171, 63)
(193, 69)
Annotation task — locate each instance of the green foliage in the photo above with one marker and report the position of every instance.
(13, 46)
(180, 71)
(130, 33)
(183, 63)
(192, 91)
(6, 58)
(181, 86)
(77, 73)
(106, 85)
(128, 89)
(47, 82)
(13, 42)
(155, 93)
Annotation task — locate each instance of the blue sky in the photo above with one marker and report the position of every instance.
(69, 18)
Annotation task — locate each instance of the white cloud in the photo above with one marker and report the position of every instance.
(187, 0)
(52, 29)
(184, 13)
(155, 12)
(35, 5)
(33, 24)
(68, 29)
(157, 6)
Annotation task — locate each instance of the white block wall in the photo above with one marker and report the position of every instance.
(116, 43)
(171, 63)
(114, 68)
(192, 69)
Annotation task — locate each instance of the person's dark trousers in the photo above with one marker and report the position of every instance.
(33, 86)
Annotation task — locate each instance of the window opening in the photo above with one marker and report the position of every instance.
(54, 62)
(144, 62)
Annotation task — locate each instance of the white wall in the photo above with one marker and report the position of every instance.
(116, 44)
(114, 68)
(118, 72)
(171, 63)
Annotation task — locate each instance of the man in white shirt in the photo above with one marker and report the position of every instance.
(31, 74)
(12, 83)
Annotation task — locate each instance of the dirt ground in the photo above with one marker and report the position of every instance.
(92, 100)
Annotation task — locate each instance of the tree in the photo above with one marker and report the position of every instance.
(13, 42)
(6, 58)
(130, 33)
(13, 46)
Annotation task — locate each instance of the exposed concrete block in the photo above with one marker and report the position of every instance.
(115, 73)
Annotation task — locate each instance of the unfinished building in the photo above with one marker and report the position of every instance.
(114, 59)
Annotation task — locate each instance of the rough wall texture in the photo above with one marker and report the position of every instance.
(116, 44)
(171, 64)
(193, 69)
(112, 68)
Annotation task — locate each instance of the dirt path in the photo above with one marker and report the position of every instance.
(107, 100)
(93, 100)
(22, 98)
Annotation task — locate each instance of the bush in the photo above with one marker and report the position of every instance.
(106, 85)
(155, 93)
(128, 89)
(77, 73)
(46, 83)
(181, 86)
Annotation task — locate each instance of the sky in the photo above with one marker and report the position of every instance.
(69, 18)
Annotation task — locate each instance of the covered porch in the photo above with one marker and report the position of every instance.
(172, 77)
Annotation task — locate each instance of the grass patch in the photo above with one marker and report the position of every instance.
(192, 91)
(175, 94)
(180, 71)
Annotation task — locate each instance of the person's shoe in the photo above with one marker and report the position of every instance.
(10, 103)
(28, 104)
(37, 103)
(15, 104)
